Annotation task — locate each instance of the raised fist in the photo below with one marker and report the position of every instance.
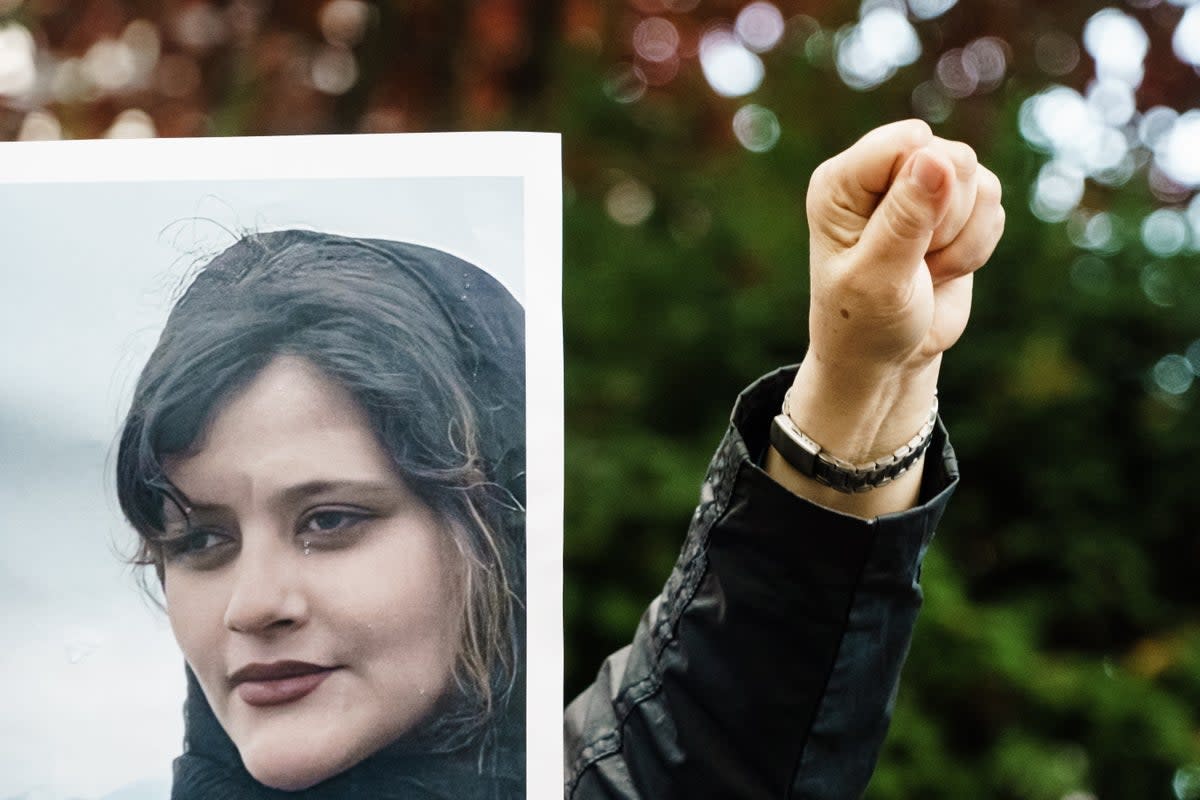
(899, 223)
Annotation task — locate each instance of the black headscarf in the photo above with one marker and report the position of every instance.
(489, 767)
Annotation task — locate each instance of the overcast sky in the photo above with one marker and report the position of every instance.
(92, 681)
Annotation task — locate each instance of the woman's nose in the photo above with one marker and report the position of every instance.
(266, 595)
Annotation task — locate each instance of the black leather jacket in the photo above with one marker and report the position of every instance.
(768, 666)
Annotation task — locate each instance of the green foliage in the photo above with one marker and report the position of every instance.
(1059, 653)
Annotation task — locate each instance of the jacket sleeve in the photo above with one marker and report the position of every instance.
(767, 668)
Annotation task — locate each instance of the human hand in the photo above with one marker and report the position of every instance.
(898, 224)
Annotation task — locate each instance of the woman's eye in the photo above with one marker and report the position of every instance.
(195, 543)
(332, 520)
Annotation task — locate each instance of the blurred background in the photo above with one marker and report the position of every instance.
(1058, 655)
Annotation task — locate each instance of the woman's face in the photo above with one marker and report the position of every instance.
(314, 595)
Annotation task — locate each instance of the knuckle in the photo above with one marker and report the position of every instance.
(964, 158)
(998, 225)
(831, 207)
(961, 155)
(839, 198)
(916, 130)
(822, 174)
(904, 218)
(955, 265)
(990, 190)
(902, 137)
(818, 186)
(975, 259)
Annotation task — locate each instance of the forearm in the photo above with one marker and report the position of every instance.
(768, 663)
(767, 666)
(898, 223)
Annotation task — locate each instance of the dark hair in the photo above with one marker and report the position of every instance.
(429, 345)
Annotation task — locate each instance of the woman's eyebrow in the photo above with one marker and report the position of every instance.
(297, 493)
(318, 487)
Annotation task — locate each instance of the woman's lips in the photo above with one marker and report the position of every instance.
(279, 683)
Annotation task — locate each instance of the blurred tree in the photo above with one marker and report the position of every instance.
(1058, 657)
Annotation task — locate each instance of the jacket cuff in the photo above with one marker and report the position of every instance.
(908, 532)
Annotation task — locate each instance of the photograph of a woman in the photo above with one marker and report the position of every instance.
(324, 459)
(321, 459)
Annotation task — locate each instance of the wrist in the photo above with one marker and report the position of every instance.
(859, 413)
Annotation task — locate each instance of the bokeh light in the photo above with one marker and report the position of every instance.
(1154, 124)
(1057, 191)
(629, 202)
(660, 73)
(1100, 131)
(729, 67)
(656, 39)
(930, 103)
(1157, 284)
(930, 9)
(1192, 354)
(1089, 133)
(17, 71)
(68, 84)
(1165, 187)
(1107, 157)
(109, 65)
(199, 27)
(40, 125)
(132, 123)
(956, 75)
(334, 70)
(1186, 40)
(1112, 100)
(1176, 153)
(625, 83)
(871, 51)
(819, 47)
(1173, 374)
(1056, 53)
(141, 36)
(1186, 783)
(344, 22)
(1165, 232)
(760, 26)
(988, 58)
(1118, 43)
(1192, 214)
(756, 128)
(1056, 119)
(1093, 231)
